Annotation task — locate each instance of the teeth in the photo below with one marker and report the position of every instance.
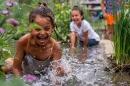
(42, 41)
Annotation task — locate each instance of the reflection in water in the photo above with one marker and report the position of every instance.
(90, 73)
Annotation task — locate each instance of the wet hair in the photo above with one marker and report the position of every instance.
(44, 11)
(77, 8)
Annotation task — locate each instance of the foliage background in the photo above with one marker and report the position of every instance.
(20, 12)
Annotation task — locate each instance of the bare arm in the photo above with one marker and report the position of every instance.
(85, 39)
(73, 39)
(103, 7)
(17, 65)
(57, 53)
(85, 44)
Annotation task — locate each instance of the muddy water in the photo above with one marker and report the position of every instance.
(93, 72)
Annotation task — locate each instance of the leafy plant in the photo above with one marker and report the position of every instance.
(62, 16)
(12, 82)
(8, 28)
(122, 36)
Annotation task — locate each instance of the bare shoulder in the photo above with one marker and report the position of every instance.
(56, 44)
(23, 40)
(57, 51)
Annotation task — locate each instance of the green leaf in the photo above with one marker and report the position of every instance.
(34, 26)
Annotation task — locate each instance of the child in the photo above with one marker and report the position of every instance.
(35, 50)
(82, 31)
(109, 9)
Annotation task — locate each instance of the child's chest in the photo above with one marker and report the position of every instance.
(40, 53)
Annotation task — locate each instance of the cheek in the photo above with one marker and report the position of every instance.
(48, 33)
(39, 22)
(79, 18)
(72, 18)
(34, 33)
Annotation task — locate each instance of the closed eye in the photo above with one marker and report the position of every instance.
(46, 28)
(37, 29)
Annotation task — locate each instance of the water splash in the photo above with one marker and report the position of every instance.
(89, 73)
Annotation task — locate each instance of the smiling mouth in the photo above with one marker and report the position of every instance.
(75, 20)
(43, 38)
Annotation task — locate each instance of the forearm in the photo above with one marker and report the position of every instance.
(103, 8)
(17, 69)
(72, 39)
(85, 40)
(56, 63)
(85, 44)
(84, 52)
(17, 72)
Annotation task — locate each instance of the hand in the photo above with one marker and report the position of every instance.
(58, 68)
(60, 71)
(17, 72)
(105, 15)
(72, 51)
(83, 56)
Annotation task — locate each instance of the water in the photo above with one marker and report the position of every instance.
(90, 73)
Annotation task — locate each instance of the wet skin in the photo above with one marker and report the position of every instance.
(38, 43)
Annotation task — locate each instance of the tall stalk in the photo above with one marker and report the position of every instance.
(121, 36)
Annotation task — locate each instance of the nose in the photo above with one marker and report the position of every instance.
(42, 31)
(74, 17)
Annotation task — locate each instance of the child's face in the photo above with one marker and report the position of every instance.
(76, 17)
(43, 34)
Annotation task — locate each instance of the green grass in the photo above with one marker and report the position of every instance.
(121, 37)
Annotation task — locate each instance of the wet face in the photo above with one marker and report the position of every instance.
(76, 17)
(42, 34)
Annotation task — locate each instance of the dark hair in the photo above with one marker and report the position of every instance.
(44, 11)
(78, 9)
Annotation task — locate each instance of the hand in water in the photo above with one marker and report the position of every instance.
(72, 51)
(60, 71)
(83, 55)
(58, 68)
